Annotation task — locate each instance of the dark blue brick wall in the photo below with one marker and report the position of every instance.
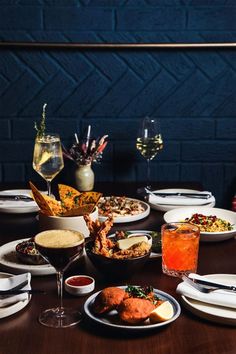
(191, 91)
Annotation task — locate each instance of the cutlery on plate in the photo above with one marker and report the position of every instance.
(16, 197)
(201, 288)
(207, 287)
(145, 191)
(179, 194)
(21, 291)
(211, 283)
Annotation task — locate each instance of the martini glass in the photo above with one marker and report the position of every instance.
(60, 248)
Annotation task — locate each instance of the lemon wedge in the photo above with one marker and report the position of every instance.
(162, 313)
(45, 157)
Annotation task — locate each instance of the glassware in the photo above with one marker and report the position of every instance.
(180, 243)
(60, 248)
(47, 157)
(149, 142)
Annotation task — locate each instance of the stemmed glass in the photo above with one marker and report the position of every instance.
(149, 142)
(60, 248)
(47, 157)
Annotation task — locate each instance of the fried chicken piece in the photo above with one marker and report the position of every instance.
(135, 310)
(108, 299)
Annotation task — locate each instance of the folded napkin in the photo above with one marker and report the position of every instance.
(180, 200)
(217, 297)
(13, 282)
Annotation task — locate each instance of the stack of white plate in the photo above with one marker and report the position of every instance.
(171, 202)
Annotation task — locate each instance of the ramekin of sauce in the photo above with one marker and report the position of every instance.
(79, 285)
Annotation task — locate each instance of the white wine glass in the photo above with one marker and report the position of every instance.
(60, 248)
(47, 157)
(149, 142)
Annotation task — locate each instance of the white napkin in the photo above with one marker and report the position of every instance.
(179, 200)
(217, 297)
(12, 282)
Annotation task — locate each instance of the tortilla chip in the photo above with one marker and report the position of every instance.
(46, 204)
(89, 197)
(69, 196)
(79, 211)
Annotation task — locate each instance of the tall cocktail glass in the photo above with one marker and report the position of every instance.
(60, 248)
(180, 243)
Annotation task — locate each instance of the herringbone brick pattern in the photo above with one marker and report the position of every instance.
(191, 91)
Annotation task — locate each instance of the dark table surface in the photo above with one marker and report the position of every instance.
(22, 333)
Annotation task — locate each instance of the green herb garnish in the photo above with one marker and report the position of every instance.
(156, 241)
(143, 292)
(139, 291)
(42, 126)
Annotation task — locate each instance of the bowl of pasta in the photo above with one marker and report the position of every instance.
(215, 224)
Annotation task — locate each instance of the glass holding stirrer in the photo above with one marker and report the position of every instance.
(47, 158)
(149, 142)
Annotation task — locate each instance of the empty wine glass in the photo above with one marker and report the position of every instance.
(47, 157)
(149, 142)
(60, 248)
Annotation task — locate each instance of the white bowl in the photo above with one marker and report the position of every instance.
(79, 290)
(76, 223)
(181, 214)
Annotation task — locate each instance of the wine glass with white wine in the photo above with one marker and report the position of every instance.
(149, 142)
(47, 157)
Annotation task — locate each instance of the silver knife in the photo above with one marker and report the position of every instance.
(190, 195)
(16, 197)
(211, 283)
(179, 194)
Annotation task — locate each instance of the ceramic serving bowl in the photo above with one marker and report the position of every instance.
(28, 254)
(181, 214)
(76, 223)
(115, 268)
(79, 285)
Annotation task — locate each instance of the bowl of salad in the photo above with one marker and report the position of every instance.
(215, 224)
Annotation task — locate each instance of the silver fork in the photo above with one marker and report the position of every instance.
(202, 288)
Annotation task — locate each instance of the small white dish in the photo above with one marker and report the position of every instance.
(214, 313)
(76, 223)
(79, 285)
(13, 308)
(185, 202)
(181, 214)
(128, 217)
(10, 262)
(131, 233)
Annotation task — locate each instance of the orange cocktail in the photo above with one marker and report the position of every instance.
(180, 243)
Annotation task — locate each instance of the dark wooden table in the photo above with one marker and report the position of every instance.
(21, 332)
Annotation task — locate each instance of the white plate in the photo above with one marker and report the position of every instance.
(166, 207)
(130, 218)
(11, 309)
(181, 213)
(153, 254)
(9, 261)
(17, 206)
(210, 312)
(111, 319)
